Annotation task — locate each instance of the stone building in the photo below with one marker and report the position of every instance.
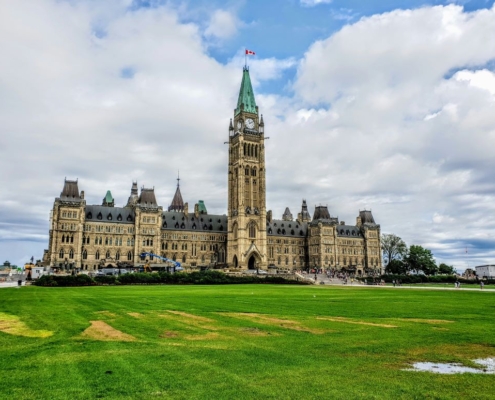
(247, 237)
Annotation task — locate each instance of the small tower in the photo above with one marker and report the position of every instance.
(304, 215)
(287, 215)
(108, 200)
(133, 198)
(177, 202)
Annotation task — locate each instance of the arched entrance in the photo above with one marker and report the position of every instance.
(234, 261)
(252, 262)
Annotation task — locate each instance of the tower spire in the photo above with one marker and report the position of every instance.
(246, 101)
(177, 202)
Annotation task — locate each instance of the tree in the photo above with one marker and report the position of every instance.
(397, 267)
(420, 259)
(446, 269)
(393, 248)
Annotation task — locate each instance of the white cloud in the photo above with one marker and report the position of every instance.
(312, 3)
(223, 24)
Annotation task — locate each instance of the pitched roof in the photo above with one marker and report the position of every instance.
(349, 230)
(287, 215)
(321, 212)
(109, 214)
(147, 197)
(177, 202)
(367, 217)
(279, 227)
(172, 220)
(70, 191)
(133, 198)
(246, 94)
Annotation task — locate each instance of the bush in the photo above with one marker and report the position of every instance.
(106, 279)
(211, 277)
(68, 280)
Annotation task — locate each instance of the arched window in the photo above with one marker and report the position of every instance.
(71, 253)
(63, 238)
(85, 254)
(117, 256)
(107, 255)
(252, 230)
(286, 260)
(61, 254)
(279, 261)
(256, 151)
(245, 149)
(97, 255)
(184, 258)
(129, 256)
(235, 231)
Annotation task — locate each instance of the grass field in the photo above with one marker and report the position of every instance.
(241, 341)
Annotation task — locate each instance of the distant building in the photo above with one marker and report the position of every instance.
(485, 271)
(247, 237)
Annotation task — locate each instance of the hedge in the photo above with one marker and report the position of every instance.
(425, 279)
(179, 278)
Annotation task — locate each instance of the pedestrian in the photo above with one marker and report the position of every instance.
(482, 284)
(393, 282)
(316, 277)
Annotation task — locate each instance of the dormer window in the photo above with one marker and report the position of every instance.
(129, 218)
(89, 215)
(109, 217)
(99, 216)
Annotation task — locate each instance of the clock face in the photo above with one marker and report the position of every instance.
(250, 123)
(239, 124)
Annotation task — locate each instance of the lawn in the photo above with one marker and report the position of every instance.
(241, 341)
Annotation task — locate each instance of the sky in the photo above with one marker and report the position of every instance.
(388, 107)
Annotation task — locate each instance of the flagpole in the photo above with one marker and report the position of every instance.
(245, 58)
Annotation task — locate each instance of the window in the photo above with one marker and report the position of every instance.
(61, 254)
(129, 256)
(252, 230)
(107, 255)
(97, 255)
(117, 256)
(85, 254)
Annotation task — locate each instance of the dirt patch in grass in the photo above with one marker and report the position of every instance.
(435, 328)
(13, 325)
(350, 321)
(426, 321)
(191, 319)
(135, 315)
(451, 352)
(206, 336)
(169, 335)
(191, 316)
(269, 320)
(100, 330)
(255, 332)
(106, 313)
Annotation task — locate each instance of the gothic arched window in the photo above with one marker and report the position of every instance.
(71, 253)
(252, 230)
(107, 255)
(61, 253)
(97, 255)
(129, 256)
(85, 254)
(117, 256)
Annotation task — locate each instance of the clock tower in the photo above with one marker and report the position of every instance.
(246, 247)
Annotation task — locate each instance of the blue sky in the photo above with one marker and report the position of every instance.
(369, 105)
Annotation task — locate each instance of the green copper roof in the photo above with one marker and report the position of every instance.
(108, 197)
(246, 94)
(202, 207)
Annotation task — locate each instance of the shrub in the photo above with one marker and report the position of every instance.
(106, 279)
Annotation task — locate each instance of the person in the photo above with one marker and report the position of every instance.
(393, 282)
(482, 284)
(316, 277)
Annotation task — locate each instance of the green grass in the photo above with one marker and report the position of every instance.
(231, 356)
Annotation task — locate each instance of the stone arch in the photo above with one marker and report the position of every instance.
(235, 263)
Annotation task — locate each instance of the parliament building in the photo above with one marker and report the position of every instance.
(89, 237)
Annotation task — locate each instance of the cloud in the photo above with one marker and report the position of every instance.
(389, 122)
(223, 24)
(312, 3)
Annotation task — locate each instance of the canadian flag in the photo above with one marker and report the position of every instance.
(250, 52)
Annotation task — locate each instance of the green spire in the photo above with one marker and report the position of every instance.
(108, 197)
(246, 95)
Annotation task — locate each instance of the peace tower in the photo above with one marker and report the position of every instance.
(246, 239)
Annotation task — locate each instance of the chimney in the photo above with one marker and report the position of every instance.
(82, 194)
(196, 210)
(269, 216)
(186, 209)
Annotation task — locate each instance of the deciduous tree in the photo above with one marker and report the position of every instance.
(420, 259)
(446, 269)
(393, 248)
